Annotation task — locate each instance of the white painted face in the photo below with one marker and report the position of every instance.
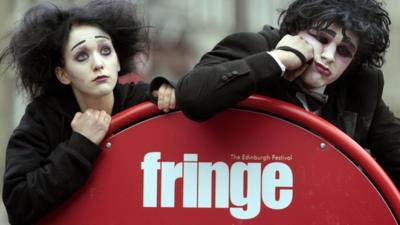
(91, 63)
(333, 53)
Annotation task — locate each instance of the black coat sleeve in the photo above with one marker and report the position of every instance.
(384, 138)
(229, 73)
(38, 175)
(131, 94)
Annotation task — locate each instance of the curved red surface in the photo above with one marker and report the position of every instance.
(303, 118)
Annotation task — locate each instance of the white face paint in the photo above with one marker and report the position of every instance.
(91, 63)
(333, 53)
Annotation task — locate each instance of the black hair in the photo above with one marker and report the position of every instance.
(36, 46)
(366, 18)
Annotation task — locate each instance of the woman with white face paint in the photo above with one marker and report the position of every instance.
(68, 61)
(325, 57)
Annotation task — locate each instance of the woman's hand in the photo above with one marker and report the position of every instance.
(166, 97)
(93, 124)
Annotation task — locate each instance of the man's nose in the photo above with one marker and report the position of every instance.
(328, 53)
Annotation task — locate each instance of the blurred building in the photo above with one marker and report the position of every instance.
(182, 31)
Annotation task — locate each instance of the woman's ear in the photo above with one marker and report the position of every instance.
(62, 76)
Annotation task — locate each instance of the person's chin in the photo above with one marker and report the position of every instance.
(104, 90)
(314, 83)
(109, 85)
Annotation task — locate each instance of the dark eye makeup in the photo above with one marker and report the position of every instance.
(325, 38)
(105, 50)
(81, 56)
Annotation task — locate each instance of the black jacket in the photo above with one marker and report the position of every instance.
(239, 66)
(46, 161)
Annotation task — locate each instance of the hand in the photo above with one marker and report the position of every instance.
(93, 124)
(166, 97)
(291, 75)
(293, 64)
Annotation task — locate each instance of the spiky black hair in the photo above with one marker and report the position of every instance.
(366, 18)
(36, 46)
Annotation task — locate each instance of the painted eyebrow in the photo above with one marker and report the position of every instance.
(101, 36)
(348, 41)
(79, 43)
(83, 41)
(330, 32)
(345, 39)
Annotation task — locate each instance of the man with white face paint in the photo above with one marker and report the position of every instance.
(325, 57)
(68, 61)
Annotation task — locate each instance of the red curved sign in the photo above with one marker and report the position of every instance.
(244, 166)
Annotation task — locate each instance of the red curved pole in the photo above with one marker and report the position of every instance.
(332, 134)
(293, 113)
(131, 116)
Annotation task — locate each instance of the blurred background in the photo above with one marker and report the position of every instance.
(183, 31)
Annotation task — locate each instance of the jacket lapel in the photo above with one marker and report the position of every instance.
(348, 121)
(335, 110)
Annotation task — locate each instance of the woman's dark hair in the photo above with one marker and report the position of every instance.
(36, 47)
(366, 18)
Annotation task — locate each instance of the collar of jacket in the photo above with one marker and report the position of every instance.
(335, 109)
(68, 106)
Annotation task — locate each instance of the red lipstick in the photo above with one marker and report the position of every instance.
(323, 70)
(100, 78)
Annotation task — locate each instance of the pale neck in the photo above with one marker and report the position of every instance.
(320, 90)
(105, 102)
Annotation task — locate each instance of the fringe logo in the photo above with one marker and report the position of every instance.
(241, 187)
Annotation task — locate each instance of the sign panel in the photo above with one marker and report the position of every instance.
(240, 167)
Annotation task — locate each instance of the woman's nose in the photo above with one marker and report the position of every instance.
(97, 62)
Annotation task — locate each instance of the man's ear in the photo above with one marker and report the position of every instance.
(62, 76)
